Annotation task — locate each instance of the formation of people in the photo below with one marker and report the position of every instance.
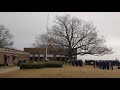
(106, 64)
(76, 62)
(103, 64)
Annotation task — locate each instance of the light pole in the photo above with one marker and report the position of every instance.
(47, 37)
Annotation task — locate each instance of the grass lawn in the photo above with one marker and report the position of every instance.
(66, 71)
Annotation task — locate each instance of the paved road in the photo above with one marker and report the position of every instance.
(5, 70)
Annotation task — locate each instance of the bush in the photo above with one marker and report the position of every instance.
(118, 67)
(41, 65)
(54, 64)
(32, 65)
(1, 65)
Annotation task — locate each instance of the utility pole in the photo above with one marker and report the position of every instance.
(47, 37)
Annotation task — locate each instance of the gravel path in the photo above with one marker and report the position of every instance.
(5, 70)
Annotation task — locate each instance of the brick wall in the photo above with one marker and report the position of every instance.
(18, 55)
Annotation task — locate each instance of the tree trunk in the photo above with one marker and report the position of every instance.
(70, 53)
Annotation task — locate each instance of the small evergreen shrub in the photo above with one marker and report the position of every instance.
(38, 65)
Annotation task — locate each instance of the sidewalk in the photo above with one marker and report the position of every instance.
(5, 70)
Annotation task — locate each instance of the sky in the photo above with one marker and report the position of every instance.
(26, 25)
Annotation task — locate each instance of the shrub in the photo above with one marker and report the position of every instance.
(41, 65)
(1, 65)
(54, 64)
(118, 67)
(32, 65)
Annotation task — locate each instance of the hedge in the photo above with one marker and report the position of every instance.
(1, 65)
(54, 64)
(41, 65)
(118, 67)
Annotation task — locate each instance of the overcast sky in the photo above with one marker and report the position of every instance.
(26, 25)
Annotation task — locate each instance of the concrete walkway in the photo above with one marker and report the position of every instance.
(5, 70)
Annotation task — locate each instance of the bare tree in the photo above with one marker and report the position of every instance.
(5, 37)
(76, 34)
(40, 40)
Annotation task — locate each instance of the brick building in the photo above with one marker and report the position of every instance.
(38, 54)
(11, 56)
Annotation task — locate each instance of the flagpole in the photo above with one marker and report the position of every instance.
(47, 38)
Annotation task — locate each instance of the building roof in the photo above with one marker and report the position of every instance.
(12, 51)
(44, 46)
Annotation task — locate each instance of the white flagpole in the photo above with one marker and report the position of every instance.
(47, 37)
